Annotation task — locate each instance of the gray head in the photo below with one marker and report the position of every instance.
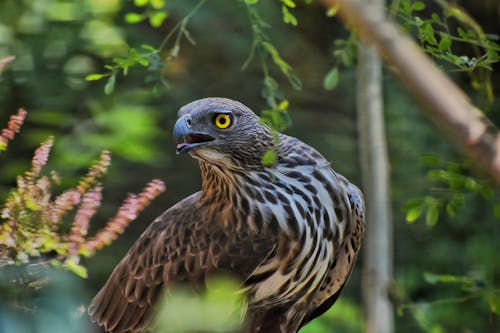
(223, 132)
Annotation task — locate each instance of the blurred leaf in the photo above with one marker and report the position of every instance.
(133, 18)
(157, 4)
(494, 302)
(432, 215)
(288, 17)
(417, 6)
(331, 79)
(217, 310)
(109, 87)
(496, 211)
(95, 77)
(269, 158)
(141, 3)
(414, 209)
(157, 18)
(295, 81)
(445, 42)
(76, 268)
(332, 10)
(288, 3)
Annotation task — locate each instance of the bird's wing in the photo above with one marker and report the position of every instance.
(345, 259)
(180, 246)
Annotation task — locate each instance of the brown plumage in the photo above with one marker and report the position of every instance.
(291, 231)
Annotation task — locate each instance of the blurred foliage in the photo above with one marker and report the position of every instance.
(139, 73)
(219, 309)
(451, 183)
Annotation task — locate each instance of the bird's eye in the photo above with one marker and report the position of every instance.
(222, 120)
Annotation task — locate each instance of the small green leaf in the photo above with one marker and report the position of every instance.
(110, 85)
(494, 302)
(332, 10)
(295, 81)
(157, 18)
(445, 42)
(76, 268)
(413, 214)
(289, 3)
(141, 3)
(496, 211)
(418, 6)
(331, 79)
(431, 278)
(269, 158)
(450, 209)
(95, 77)
(288, 17)
(133, 18)
(432, 215)
(149, 48)
(157, 4)
(251, 2)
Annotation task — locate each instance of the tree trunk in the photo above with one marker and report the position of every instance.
(377, 263)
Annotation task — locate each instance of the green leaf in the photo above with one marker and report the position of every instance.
(157, 4)
(496, 211)
(288, 17)
(148, 47)
(413, 209)
(157, 18)
(110, 85)
(431, 278)
(284, 67)
(295, 81)
(494, 302)
(413, 214)
(133, 18)
(141, 3)
(432, 215)
(251, 2)
(269, 158)
(445, 42)
(332, 10)
(331, 79)
(450, 209)
(289, 3)
(418, 6)
(76, 268)
(95, 77)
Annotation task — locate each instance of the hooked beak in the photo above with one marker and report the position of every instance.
(187, 139)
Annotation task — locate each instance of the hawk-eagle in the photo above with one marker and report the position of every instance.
(290, 231)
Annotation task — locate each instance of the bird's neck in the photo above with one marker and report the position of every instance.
(218, 184)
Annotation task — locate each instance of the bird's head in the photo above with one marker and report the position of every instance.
(221, 131)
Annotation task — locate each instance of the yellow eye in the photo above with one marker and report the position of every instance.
(222, 120)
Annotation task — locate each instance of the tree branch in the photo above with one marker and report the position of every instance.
(442, 101)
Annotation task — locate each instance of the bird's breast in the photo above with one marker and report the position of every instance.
(300, 205)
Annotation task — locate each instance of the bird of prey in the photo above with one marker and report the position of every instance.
(290, 231)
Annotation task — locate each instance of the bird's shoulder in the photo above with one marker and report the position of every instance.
(295, 152)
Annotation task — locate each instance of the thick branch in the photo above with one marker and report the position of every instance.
(441, 99)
